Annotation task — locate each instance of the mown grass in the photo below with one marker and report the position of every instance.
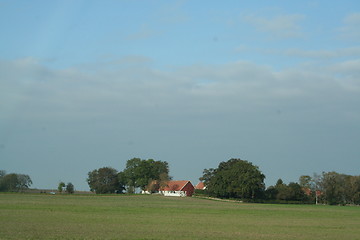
(31, 216)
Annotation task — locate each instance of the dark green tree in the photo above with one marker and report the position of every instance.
(138, 173)
(305, 181)
(104, 180)
(2, 184)
(333, 188)
(207, 175)
(9, 183)
(353, 189)
(70, 188)
(122, 182)
(235, 178)
(24, 181)
(281, 191)
(14, 182)
(61, 186)
(271, 193)
(297, 193)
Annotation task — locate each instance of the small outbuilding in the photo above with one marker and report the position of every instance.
(200, 186)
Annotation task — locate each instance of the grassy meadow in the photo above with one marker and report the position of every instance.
(40, 216)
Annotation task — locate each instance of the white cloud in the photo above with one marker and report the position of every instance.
(284, 26)
(347, 74)
(34, 91)
(316, 54)
(210, 111)
(345, 52)
(350, 29)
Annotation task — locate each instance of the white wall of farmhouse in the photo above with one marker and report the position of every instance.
(174, 193)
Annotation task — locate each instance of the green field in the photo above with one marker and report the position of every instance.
(31, 216)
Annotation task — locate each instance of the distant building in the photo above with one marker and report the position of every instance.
(173, 188)
(200, 186)
(178, 189)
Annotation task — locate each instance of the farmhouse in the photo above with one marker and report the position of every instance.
(178, 189)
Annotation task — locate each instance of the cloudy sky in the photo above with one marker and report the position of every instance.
(88, 84)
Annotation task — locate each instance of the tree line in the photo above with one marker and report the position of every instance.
(240, 179)
(14, 182)
(138, 173)
(333, 188)
(235, 178)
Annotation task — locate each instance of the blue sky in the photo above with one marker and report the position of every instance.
(88, 84)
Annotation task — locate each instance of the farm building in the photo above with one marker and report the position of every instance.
(173, 188)
(178, 189)
(200, 186)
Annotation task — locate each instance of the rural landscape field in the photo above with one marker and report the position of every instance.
(40, 216)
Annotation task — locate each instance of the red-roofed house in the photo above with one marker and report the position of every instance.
(200, 186)
(178, 189)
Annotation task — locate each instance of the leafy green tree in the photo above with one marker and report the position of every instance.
(14, 182)
(279, 182)
(235, 178)
(2, 183)
(70, 188)
(297, 193)
(138, 173)
(11, 182)
(122, 182)
(271, 193)
(61, 186)
(207, 175)
(333, 187)
(104, 180)
(24, 181)
(281, 191)
(353, 189)
(305, 181)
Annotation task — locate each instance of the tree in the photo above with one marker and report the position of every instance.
(235, 178)
(122, 182)
(9, 182)
(139, 173)
(207, 175)
(333, 187)
(104, 180)
(61, 186)
(279, 182)
(14, 182)
(353, 193)
(24, 181)
(305, 181)
(70, 188)
(2, 184)
(271, 193)
(316, 183)
(2, 173)
(281, 191)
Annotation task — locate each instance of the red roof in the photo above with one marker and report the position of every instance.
(200, 185)
(307, 191)
(175, 185)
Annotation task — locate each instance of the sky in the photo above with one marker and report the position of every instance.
(90, 84)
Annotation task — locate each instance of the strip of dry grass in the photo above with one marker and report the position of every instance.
(31, 216)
